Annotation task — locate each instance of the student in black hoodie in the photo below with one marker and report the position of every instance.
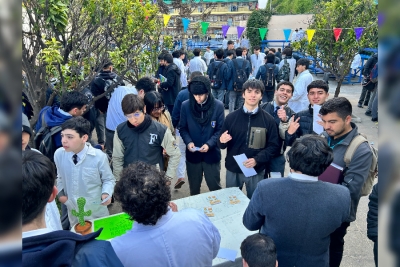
(43, 247)
(172, 86)
(252, 131)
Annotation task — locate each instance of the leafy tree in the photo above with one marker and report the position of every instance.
(258, 19)
(346, 14)
(71, 39)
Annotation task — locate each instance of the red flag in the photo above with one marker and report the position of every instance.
(337, 32)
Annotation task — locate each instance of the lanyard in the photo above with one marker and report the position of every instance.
(329, 143)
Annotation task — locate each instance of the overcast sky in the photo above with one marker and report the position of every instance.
(262, 3)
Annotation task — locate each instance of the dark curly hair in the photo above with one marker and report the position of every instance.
(143, 192)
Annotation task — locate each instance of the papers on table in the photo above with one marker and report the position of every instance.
(318, 129)
(246, 171)
(227, 253)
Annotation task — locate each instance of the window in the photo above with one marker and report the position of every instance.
(171, 10)
(200, 9)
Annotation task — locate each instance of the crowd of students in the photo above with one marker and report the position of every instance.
(161, 131)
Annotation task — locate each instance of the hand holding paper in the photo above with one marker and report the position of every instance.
(317, 128)
(242, 160)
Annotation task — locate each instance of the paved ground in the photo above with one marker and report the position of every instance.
(358, 248)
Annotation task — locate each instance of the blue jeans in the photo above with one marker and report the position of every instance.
(238, 179)
(233, 97)
(218, 94)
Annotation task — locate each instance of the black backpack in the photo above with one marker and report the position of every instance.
(216, 81)
(44, 141)
(241, 76)
(269, 76)
(284, 72)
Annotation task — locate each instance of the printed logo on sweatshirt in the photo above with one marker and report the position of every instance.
(153, 138)
(213, 124)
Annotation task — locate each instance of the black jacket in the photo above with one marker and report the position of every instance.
(64, 248)
(369, 65)
(372, 216)
(170, 89)
(97, 88)
(306, 126)
(270, 109)
(255, 135)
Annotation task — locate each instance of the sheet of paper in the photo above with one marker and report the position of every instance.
(196, 148)
(106, 199)
(227, 253)
(113, 226)
(246, 171)
(162, 78)
(318, 129)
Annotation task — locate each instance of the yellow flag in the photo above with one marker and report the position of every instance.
(310, 34)
(166, 19)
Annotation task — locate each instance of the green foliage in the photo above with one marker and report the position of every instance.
(258, 19)
(81, 213)
(56, 13)
(51, 55)
(284, 7)
(337, 56)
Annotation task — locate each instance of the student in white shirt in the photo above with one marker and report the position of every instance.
(208, 55)
(196, 63)
(257, 59)
(82, 171)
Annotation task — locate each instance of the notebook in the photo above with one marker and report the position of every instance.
(333, 174)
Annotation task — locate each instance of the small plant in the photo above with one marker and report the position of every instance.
(81, 211)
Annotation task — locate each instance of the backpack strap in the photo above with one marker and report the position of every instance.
(351, 149)
(217, 67)
(236, 64)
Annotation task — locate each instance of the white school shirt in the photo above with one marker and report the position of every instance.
(115, 115)
(299, 100)
(89, 178)
(256, 62)
(178, 62)
(197, 64)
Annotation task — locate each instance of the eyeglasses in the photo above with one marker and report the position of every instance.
(160, 108)
(134, 115)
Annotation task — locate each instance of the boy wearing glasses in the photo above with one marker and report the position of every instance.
(142, 139)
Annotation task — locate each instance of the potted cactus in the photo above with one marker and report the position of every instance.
(83, 227)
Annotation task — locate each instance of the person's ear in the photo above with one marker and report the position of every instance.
(348, 119)
(244, 263)
(53, 195)
(276, 263)
(144, 109)
(85, 137)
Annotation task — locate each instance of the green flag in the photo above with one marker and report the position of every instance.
(263, 32)
(204, 26)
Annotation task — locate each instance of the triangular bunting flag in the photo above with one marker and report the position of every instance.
(240, 31)
(185, 23)
(358, 31)
(337, 32)
(204, 26)
(287, 33)
(381, 19)
(154, 1)
(263, 32)
(310, 35)
(166, 19)
(225, 29)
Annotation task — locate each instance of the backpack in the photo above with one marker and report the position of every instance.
(216, 82)
(269, 77)
(44, 141)
(241, 76)
(373, 170)
(284, 72)
(373, 76)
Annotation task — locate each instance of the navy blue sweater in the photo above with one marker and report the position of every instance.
(191, 131)
(183, 95)
(299, 216)
(306, 126)
(64, 248)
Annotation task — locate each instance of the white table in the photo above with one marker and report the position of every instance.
(227, 218)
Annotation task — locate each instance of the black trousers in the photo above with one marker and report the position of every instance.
(364, 97)
(195, 176)
(337, 245)
(109, 142)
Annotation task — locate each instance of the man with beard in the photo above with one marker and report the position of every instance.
(201, 122)
(170, 88)
(339, 132)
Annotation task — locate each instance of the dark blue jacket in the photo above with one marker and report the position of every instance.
(224, 73)
(52, 118)
(240, 62)
(262, 72)
(64, 248)
(191, 131)
(182, 96)
(306, 126)
(270, 109)
(229, 81)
